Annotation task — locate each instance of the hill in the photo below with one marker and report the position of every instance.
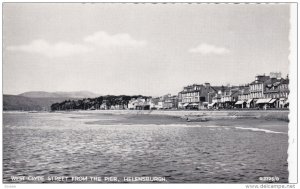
(74, 94)
(17, 102)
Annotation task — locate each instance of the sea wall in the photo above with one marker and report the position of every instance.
(208, 115)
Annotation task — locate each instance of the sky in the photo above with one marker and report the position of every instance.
(148, 49)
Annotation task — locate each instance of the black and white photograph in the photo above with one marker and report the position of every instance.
(149, 93)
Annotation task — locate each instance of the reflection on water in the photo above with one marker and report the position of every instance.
(50, 144)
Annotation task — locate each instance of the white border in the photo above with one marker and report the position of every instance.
(294, 114)
(292, 150)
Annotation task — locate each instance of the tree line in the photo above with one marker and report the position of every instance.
(94, 103)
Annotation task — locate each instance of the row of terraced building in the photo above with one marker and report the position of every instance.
(263, 93)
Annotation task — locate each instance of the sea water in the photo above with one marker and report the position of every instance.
(70, 145)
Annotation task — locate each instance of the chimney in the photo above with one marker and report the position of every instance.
(279, 75)
(275, 75)
(207, 85)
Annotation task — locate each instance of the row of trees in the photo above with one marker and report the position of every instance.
(94, 103)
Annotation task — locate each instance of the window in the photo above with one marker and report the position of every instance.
(202, 99)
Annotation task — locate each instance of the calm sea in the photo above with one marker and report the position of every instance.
(103, 145)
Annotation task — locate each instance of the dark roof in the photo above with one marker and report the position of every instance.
(154, 100)
(261, 79)
(285, 81)
(219, 88)
(271, 81)
(202, 89)
(275, 82)
(244, 90)
(234, 92)
(247, 90)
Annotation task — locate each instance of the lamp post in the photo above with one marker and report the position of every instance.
(208, 97)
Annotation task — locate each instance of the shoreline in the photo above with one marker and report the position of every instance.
(197, 116)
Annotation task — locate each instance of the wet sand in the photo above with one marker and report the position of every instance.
(156, 119)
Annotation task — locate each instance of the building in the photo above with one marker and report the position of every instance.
(169, 101)
(257, 87)
(154, 103)
(284, 93)
(225, 97)
(243, 96)
(164, 102)
(276, 89)
(174, 101)
(139, 104)
(256, 90)
(216, 102)
(104, 105)
(196, 96)
(264, 92)
(269, 91)
(216, 99)
(118, 107)
(229, 97)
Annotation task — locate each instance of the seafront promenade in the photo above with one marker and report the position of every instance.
(282, 115)
(209, 115)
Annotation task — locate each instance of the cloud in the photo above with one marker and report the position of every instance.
(59, 49)
(99, 39)
(103, 39)
(206, 49)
